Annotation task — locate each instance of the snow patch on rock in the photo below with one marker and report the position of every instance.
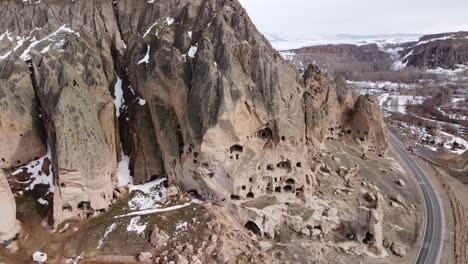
(146, 58)
(136, 225)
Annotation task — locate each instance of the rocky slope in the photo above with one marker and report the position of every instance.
(186, 89)
(336, 58)
(446, 50)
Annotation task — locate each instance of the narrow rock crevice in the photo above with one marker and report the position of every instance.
(46, 127)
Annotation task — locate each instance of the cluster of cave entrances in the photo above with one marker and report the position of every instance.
(279, 178)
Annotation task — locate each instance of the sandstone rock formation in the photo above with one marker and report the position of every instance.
(367, 125)
(9, 226)
(187, 89)
(21, 133)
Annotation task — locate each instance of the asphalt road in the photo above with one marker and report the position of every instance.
(433, 230)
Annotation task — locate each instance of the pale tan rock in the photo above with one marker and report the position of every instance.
(172, 190)
(264, 246)
(367, 125)
(398, 249)
(401, 182)
(9, 226)
(158, 237)
(145, 257)
(376, 226)
(180, 259)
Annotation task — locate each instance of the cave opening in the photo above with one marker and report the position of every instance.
(253, 227)
(236, 148)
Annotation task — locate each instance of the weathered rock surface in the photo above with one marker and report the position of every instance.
(188, 89)
(446, 50)
(9, 226)
(368, 57)
(158, 237)
(367, 125)
(398, 249)
(21, 133)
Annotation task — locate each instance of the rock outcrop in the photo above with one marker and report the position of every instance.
(445, 50)
(9, 226)
(187, 89)
(21, 133)
(367, 125)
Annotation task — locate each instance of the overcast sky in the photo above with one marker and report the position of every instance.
(312, 17)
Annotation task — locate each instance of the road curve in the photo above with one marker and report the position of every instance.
(433, 230)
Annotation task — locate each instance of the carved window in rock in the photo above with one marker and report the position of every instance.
(67, 208)
(288, 188)
(250, 225)
(286, 165)
(236, 150)
(290, 181)
(264, 134)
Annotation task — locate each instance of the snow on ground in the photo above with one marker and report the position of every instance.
(192, 51)
(150, 28)
(119, 100)
(106, 234)
(432, 142)
(46, 49)
(438, 39)
(169, 21)
(31, 41)
(146, 58)
(458, 100)
(123, 172)
(141, 101)
(164, 22)
(449, 72)
(160, 210)
(398, 103)
(180, 228)
(38, 176)
(364, 91)
(383, 98)
(7, 35)
(450, 143)
(149, 195)
(287, 55)
(399, 65)
(285, 41)
(380, 84)
(136, 225)
(454, 116)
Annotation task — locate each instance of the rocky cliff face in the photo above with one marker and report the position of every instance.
(9, 226)
(341, 58)
(445, 50)
(187, 89)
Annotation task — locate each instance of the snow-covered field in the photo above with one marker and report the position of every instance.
(284, 41)
(381, 85)
(398, 103)
(433, 142)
